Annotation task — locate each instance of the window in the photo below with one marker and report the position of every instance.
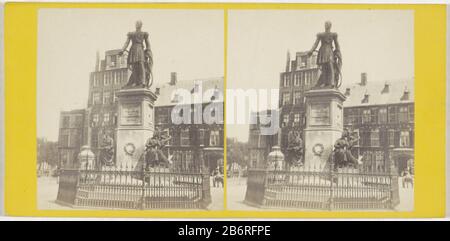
(404, 139)
(375, 138)
(286, 98)
(403, 114)
(297, 79)
(113, 61)
(365, 138)
(64, 141)
(185, 138)
(303, 61)
(114, 97)
(366, 117)
(392, 114)
(97, 78)
(75, 140)
(96, 98)
(379, 160)
(297, 119)
(391, 137)
(106, 118)
(106, 97)
(95, 118)
(214, 138)
(116, 78)
(106, 79)
(78, 121)
(66, 122)
(382, 115)
(297, 97)
(351, 116)
(411, 113)
(286, 80)
(201, 136)
(285, 119)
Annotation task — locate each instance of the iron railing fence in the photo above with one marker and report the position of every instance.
(131, 188)
(323, 188)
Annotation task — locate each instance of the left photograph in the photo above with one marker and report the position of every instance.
(130, 109)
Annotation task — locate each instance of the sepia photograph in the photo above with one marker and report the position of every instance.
(321, 116)
(130, 109)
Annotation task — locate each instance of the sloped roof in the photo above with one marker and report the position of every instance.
(375, 93)
(167, 93)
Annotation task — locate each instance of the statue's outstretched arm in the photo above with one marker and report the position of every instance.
(125, 46)
(314, 47)
(147, 43)
(336, 44)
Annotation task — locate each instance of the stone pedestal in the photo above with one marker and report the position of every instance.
(135, 124)
(324, 125)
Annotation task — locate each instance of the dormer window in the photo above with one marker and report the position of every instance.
(365, 100)
(347, 92)
(385, 89)
(176, 98)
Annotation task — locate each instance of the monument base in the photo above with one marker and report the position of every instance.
(135, 125)
(324, 126)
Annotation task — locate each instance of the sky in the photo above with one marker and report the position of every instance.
(189, 42)
(378, 42)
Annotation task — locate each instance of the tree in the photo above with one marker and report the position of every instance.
(47, 151)
(237, 152)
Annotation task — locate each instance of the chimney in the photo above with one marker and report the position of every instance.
(97, 61)
(173, 78)
(347, 92)
(288, 61)
(385, 89)
(157, 91)
(363, 79)
(365, 100)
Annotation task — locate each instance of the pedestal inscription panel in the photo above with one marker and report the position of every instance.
(130, 114)
(320, 114)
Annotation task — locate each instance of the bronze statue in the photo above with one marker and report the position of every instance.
(329, 58)
(153, 149)
(140, 59)
(294, 149)
(107, 151)
(342, 151)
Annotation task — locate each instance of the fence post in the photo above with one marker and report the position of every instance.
(264, 187)
(206, 190)
(395, 199)
(143, 175)
(332, 178)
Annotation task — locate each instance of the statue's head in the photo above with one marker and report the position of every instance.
(327, 26)
(138, 25)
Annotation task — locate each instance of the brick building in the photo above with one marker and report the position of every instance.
(259, 144)
(71, 136)
(195, 135)
(383, 115)
(300, 75)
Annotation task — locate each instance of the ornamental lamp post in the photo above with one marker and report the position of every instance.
(276, 158)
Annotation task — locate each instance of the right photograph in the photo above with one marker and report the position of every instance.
(320, 110)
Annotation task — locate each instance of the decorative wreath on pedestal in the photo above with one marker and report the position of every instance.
(129, 148)
(318, 149)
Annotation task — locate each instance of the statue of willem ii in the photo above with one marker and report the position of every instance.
(140, 59)
(329, 58)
